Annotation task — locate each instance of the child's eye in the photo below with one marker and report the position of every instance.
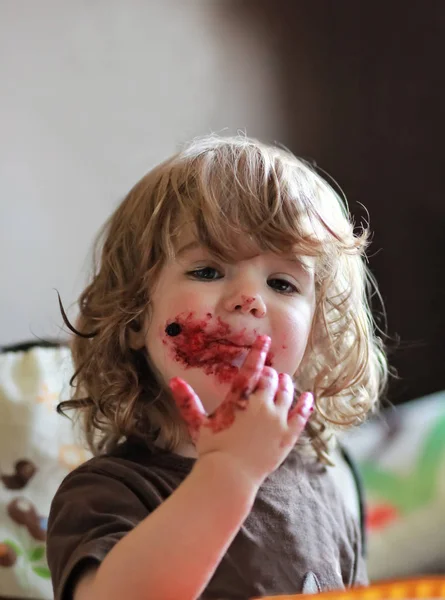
(281, 285)
(208, 273)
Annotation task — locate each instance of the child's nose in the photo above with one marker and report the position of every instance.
(246, 303)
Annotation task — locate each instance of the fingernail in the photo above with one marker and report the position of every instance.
(283, 381)
(307, 405)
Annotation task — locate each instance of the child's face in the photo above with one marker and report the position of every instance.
(205, 314)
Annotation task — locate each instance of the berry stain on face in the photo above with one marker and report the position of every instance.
(209, 344)
(247, 302)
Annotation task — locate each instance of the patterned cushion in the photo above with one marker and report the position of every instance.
(37, 449)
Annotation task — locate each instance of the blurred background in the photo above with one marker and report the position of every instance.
(94, 93)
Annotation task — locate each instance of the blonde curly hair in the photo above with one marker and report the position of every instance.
(225, 189)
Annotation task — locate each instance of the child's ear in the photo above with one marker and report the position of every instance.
(136, 336)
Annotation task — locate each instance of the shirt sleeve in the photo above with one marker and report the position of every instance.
(90, 513)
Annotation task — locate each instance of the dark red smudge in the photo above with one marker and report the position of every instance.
(202, 344)
(225, 414)
(187, 406)
(221, 419)
(247, 301)
(241, 387)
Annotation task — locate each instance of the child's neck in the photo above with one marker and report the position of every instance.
(185, 449)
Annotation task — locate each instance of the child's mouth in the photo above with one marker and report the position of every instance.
(228, 352)
(238, 361)
(209, 346)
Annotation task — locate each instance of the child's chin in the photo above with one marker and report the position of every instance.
(212, 393)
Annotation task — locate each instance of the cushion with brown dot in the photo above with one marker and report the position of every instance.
(37, 450)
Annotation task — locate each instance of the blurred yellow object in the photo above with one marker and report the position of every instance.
(409, 589)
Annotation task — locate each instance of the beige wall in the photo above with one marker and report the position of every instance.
(94, 93)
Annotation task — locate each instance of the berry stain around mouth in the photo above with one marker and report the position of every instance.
(208, 344)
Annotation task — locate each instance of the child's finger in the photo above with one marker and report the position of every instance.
(225, 414)
(285, 391)
(249, 374)
(268, 382)
(188, 403)
(301, 412)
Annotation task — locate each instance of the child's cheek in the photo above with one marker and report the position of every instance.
(281, 351)
(186, 302)
(290, 344)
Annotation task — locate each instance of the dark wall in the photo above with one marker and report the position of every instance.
(362, 87)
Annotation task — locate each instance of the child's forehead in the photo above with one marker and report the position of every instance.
(243, 249)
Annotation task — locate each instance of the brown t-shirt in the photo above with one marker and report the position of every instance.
(299, 531)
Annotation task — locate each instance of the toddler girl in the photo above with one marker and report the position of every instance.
(228, 302)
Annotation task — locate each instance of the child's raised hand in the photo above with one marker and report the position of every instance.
(255, 424)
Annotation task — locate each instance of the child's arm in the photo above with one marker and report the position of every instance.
(174, 552)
